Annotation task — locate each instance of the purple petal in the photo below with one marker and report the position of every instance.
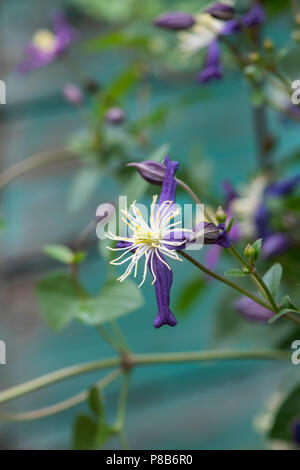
(213, 68)
(169, 185)
(115, 115)
(254, 17)
(262, 221)
(164, 278)
(284, 187)
(252, 311)
(212, 257)
(175, 20)
(230, 192)
(231, 27)
(275, 245)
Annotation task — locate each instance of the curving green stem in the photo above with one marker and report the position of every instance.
(223, 279)
(62, 405)
(136, 360)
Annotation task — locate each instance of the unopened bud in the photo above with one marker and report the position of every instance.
(268, 44)
(175, 20)
(221, 215)
(115, 115)
(254, 57)
(249, 251)
(221, 11)
(153, 172)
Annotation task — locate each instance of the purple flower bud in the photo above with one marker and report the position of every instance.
(115, 115)
(175, 20)
(275, 245)
(221, 11)
(213, 67)
(213, 234)
(153, 172)
(73, 94)
(252, 311)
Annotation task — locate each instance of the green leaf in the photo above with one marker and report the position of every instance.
(286, 302)
(90, 434)
(190, 293)
(83, 186)
(236, 272)
(60, 253)
(137, 186)
(257, 247)
(85, 433)
(57, 296)
(281, 313)
(272, 278)
(287, 412)
(115, 300)
(96, 401)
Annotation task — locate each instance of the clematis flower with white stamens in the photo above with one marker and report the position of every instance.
(152, 242)
(149, 240)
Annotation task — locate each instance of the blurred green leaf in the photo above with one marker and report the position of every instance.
(115, 300)
(83, 186)
(79, 256)
(282, 312)
(287, 412)
(115, 39)
(57, 296)
(190, 292)
(59, 252)
(96, 401)
(235, 272)
(272, 278)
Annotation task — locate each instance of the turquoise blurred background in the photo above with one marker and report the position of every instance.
(198, 406)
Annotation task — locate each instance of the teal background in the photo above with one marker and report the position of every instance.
(201, 406)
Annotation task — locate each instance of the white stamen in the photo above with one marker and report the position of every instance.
(148, 240)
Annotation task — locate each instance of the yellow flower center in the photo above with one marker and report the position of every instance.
(44, 40)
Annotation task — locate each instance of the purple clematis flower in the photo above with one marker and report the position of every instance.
(213, 67)
(275, 245)
(254, 17)
(46, 46)
(157, 240)
(252, 311)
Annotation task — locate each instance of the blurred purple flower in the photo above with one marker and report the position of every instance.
(213, 67)
(254, 17)
(252, 311)
(283, 187)
(275, 245)
(46, 46)
(73, 94)
(221, 11)
(176, 20)
(115, 115)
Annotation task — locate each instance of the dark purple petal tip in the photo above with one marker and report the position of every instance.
(213, 67)
(255, 16)
(221, 11)
(175, 20)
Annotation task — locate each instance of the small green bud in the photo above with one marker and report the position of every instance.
(249, 251)
(268, 44)
(254, 57)
(246, 270)
(221, 215)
